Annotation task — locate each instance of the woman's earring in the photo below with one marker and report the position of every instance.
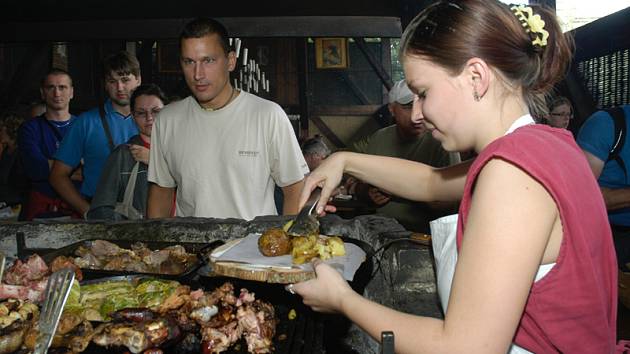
(476, 96)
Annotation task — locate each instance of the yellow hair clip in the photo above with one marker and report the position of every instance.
(532, 23)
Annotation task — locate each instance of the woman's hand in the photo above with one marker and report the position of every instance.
(327, 176)
(139, 153)
(327, 292)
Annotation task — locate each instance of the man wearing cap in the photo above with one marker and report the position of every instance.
(408, 139)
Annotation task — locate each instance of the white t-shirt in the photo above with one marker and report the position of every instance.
(225, 163)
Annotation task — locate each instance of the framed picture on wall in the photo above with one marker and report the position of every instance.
(331, 53)
(168, 57)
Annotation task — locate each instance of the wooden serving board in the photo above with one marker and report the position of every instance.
(257, 273)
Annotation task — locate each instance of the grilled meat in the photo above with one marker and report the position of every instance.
(23, 273)
(137, 336)
(136, 314)
(258, 321)
(12, 336)
(101, 254)
(217, 340)
(62, 262)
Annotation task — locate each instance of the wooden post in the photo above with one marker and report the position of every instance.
(302, 66)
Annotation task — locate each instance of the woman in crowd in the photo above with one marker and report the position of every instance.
(560, 112)
(122, 189)
(533, 272)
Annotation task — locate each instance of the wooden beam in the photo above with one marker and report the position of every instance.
(347, 77)
(386, 62)
(329, 134)
(302, 67)
(378, 68)
(145, 57)
(296, 26)
(365, 110)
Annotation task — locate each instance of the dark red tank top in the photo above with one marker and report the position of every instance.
(572, 309)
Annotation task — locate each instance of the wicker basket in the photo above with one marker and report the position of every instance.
(624, 288)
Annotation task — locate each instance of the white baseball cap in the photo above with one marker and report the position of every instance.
(400, 93)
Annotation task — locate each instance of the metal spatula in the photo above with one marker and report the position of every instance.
(57, 291)
(306, 223)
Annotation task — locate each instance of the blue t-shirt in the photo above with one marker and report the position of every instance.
(37, 143)
(86, 140)
(596, 137)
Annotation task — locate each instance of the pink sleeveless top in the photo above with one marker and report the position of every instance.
(572, 309)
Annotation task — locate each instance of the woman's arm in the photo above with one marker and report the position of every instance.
(408, 179)
(506, 236)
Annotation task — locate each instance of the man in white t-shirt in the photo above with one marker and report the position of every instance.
(222, 149)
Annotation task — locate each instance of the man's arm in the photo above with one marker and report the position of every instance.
(292, 197)
(615, 198)
(60, 180)
(160, 201)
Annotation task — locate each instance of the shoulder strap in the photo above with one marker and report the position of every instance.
(619, 119)
(101, 111)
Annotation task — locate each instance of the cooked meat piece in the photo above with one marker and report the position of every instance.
(274, 242)
(62, 262)
(140, 249)
(172, 266)
(136, 314)
(180, 317)
(68, 322)
(189, 345)
(102, 248)
(153, 351)
(217, 340)
(203, 314)
(245, 297)
(77, 339)
(258, 322)
(121, 334)
(137, 336)
(225, 315)
(22, 273)
(33, 292)
(88, 261)
(223, 294)
(155, 258)
(12, 337)
(175, 300)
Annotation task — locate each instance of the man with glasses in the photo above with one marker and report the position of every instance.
(408, 139)
(96, 133)
(122, 189)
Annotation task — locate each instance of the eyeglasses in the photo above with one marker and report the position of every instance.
(145, 114)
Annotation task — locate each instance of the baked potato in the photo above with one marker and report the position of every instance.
(274, 242)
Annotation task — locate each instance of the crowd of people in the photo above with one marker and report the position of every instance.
(535, 275)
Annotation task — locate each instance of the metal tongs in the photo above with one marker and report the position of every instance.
(306, 223)
(57, 291)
